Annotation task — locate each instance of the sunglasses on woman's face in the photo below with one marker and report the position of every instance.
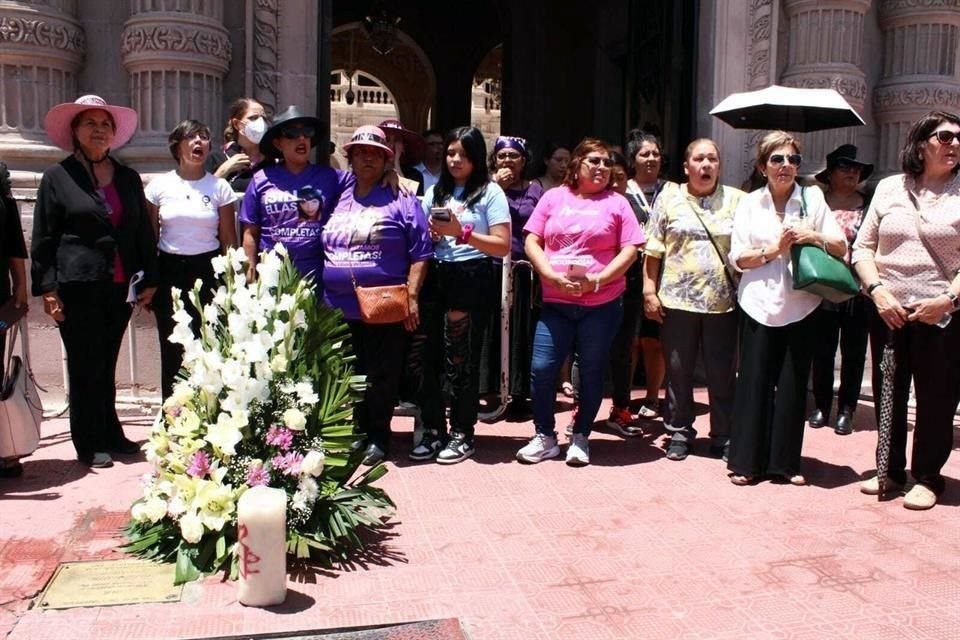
(594, 161)
(508, 155)
(945, 136)
(297, 132)
(778, 158)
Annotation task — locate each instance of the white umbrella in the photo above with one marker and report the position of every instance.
(787, 108)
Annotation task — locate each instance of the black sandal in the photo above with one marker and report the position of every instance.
(677, 450)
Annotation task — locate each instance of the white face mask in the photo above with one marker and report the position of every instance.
(254, 129)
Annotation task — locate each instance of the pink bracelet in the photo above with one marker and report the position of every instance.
(465, 232)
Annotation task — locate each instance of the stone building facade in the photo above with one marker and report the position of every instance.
(893, 60)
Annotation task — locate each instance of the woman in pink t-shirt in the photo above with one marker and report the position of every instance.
(581, 238)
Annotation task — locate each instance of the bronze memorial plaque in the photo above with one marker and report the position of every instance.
(107, 583)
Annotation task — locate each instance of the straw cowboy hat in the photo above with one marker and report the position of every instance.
(289, 117)
(845, 154)
(369, 136)
(58, 120)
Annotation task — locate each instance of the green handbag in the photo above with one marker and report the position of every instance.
(820, 273)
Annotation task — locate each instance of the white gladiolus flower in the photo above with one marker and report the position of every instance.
(219, 265)
(237, 259)
(181, 334)
(299, 319)
(232, 373)
(279, 363)
(313, 463)
(220, 297)
(211, 314)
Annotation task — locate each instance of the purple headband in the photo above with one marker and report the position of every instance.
(510, 142)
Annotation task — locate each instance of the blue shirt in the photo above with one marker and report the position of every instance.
(491, 209)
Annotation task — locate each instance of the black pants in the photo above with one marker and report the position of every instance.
(845, 324)
(931, 357)
(379, 351)
(95, 318)
(683, 335)
(770, 400)
(621, 351)
(181, 272)
(452, 352)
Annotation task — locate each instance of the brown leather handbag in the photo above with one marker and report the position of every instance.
(383, 305)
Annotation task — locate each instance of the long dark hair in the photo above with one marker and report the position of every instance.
(911, 156)
(476, 149)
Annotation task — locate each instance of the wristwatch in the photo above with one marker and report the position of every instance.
(873, 286)
(954, 301)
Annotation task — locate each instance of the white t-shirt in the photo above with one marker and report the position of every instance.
(766, 292)
(189, 212)
(429, 179)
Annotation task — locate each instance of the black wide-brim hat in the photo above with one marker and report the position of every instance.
(846, 154)
(289, 116)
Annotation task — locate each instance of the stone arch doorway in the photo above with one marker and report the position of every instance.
(487, 95)
(406, 72)
(356, 99)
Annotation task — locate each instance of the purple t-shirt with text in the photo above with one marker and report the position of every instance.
(376, 237)
(272, 202)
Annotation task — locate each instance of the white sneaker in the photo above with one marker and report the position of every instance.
(578, 452)
(539, 448)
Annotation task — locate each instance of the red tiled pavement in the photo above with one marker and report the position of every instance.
(633, 546)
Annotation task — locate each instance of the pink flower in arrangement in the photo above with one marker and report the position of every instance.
(199, 465)
(289, 463)
(257, 475)
(280, 437)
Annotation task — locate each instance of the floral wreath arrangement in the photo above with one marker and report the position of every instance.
(265, 397)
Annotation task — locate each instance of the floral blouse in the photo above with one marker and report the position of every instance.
(693, 274)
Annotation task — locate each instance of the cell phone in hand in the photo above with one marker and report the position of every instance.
(440, 213)
(576, 271)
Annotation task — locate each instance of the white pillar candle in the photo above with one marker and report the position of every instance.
(262, 539)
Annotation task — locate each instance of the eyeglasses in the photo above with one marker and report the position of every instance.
(296, 132)
(594, 161)
(778, 158)
(508, 155)
(945, 136)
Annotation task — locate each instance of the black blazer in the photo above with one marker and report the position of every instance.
(73, 238)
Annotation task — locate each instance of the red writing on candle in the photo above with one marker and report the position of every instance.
(247, 557)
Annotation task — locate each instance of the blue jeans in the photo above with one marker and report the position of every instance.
(561, 330)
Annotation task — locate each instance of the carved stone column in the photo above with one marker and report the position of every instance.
(740, 54)
(41, 50)
(920, 44)
(825, 51)
(177, 53)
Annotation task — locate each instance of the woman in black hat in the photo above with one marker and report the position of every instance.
(845, 323)
(271, 206)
